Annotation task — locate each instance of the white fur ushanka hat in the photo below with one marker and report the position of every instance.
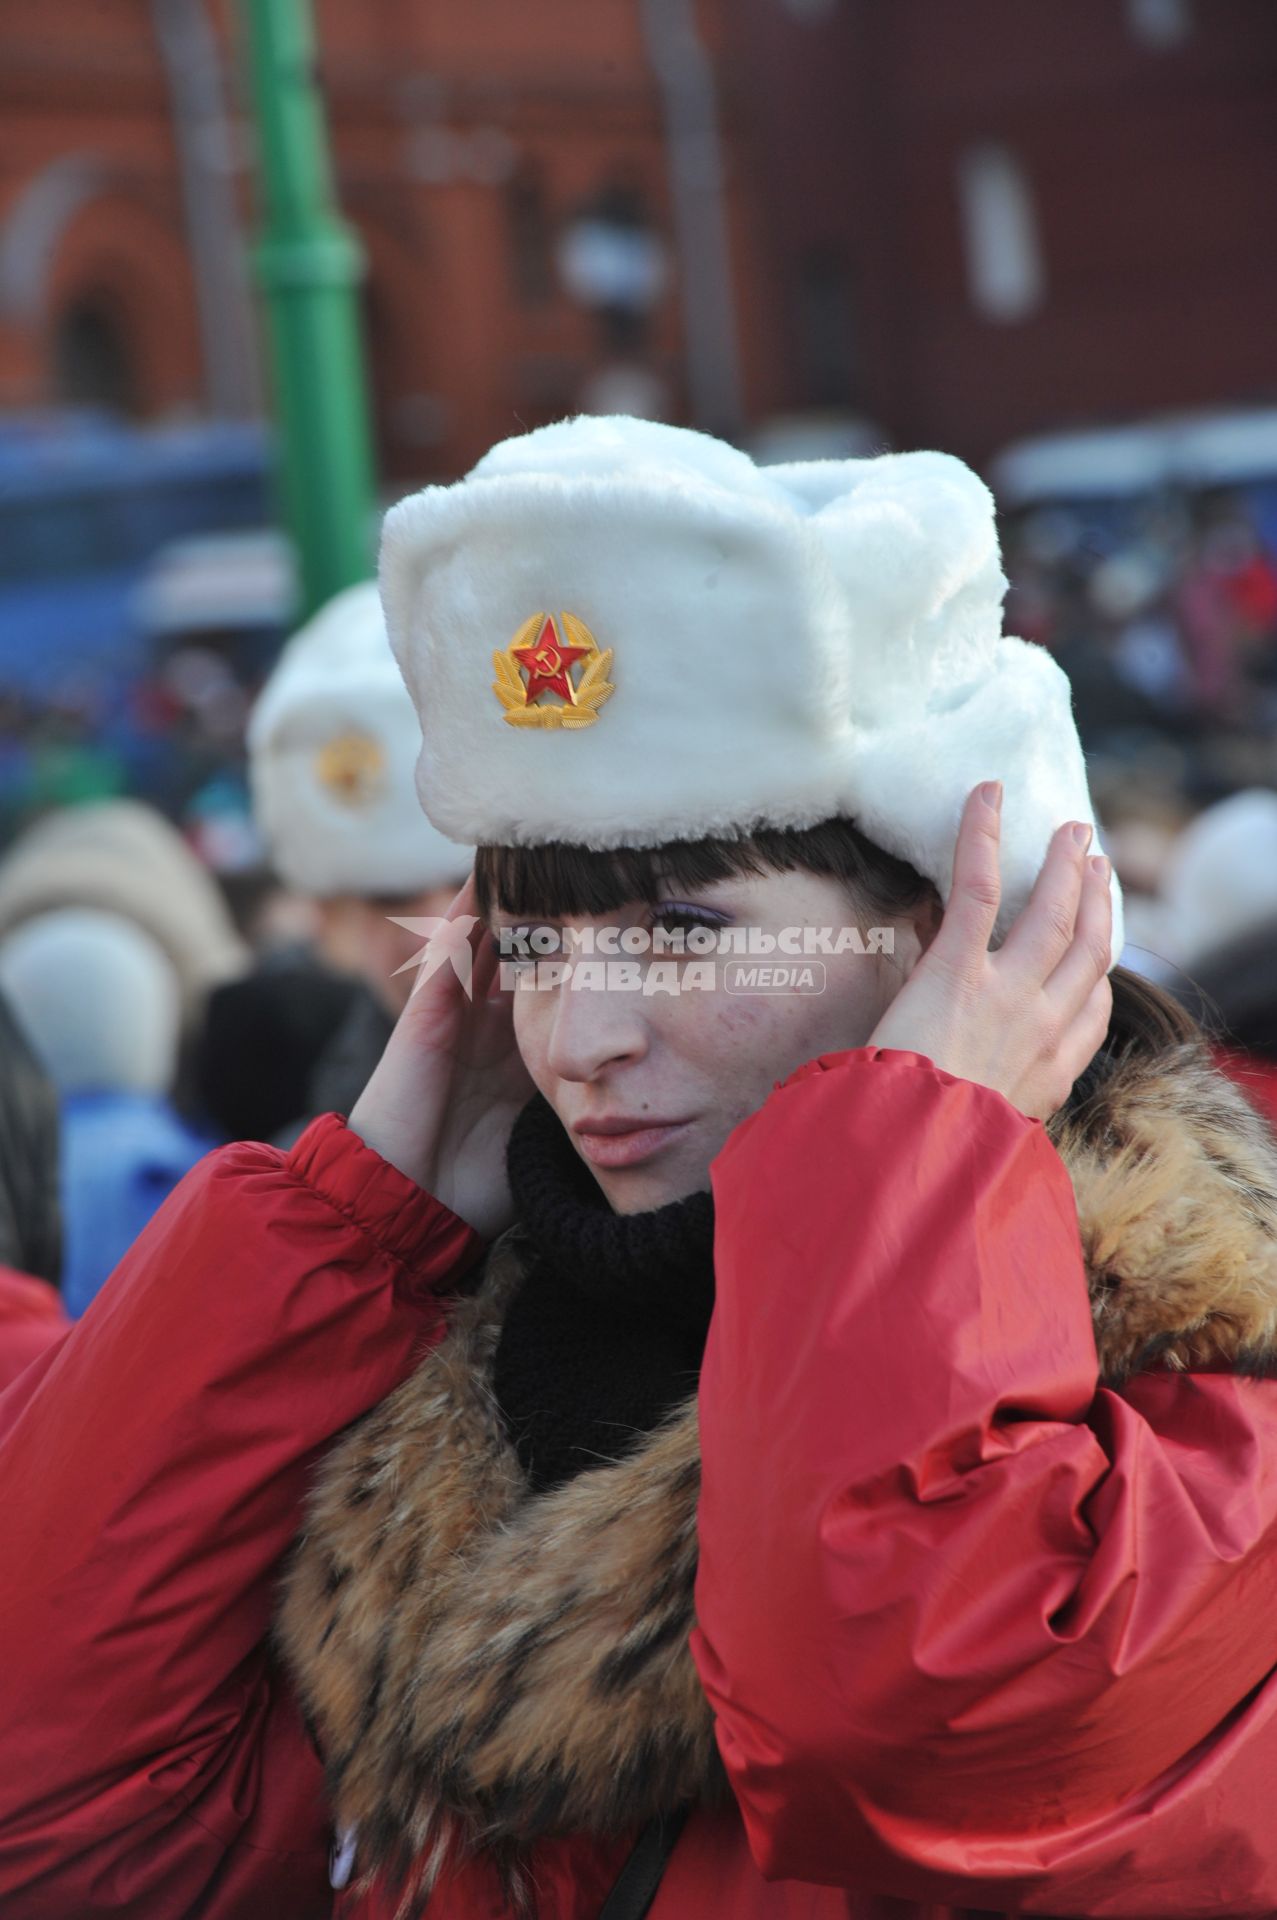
(332, 745)
(730, 646)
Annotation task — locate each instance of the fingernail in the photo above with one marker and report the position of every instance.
(1100, 865)
(991, 794)
(1082, 831)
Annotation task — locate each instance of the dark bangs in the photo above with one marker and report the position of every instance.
(556, 881)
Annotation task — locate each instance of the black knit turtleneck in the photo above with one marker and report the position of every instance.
(606, 1332)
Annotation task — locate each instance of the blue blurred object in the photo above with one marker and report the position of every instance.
(122, 1155)
(78, 626)
(83, 493)
(85, 503)
(89, 507)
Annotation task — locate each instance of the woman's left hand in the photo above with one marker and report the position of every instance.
(1029, 1018)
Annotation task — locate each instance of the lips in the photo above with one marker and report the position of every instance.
(617, 1141)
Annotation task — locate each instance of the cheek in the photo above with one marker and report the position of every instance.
(532, 1034)
(751, 1041)
(857, 991)
(739, 1044)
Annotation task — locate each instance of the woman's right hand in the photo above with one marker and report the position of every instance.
(1029, 1017)
(443, 1097)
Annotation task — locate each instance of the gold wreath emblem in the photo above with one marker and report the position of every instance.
(542, 708)
(352, 767)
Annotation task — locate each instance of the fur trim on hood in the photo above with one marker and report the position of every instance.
(483, 1668)
(1175, 1176)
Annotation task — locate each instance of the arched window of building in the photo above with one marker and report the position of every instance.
(613, 260)
(531, 238)
(409, 424)
(93, 363)
(825, 330)
(1005, 272)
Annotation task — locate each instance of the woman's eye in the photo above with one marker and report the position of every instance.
(677, 917)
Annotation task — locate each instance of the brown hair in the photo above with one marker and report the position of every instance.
(1146, 1021)
(558, 880)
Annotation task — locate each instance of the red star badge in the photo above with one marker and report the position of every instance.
(547, 662)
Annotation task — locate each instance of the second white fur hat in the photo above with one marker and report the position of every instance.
(333, 741)
(729, 646)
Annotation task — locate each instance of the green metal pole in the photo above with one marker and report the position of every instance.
(309, 265)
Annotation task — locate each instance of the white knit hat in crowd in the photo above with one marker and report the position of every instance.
(619, 633)
(123, 857)
(332, 741)
(97, 997)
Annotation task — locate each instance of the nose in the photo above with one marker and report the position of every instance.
(594, 1027)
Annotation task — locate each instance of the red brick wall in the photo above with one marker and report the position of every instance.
(1153, 173)
(83, 81)
(431, 108)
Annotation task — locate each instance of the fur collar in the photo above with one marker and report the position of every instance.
(482, 1667)
(1175, 1176)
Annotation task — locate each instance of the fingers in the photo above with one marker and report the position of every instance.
(447, 979)
(1078, 997)
(1093, 1022)
(466, 899)
(1044, 931)
(1086, 958)
(962, 943)
(1081, 1038)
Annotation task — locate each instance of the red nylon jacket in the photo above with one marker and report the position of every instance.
(32, 1317)
(978, 1636)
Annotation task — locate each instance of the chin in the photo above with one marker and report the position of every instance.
(645, 1188)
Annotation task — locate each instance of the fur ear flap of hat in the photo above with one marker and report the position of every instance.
(729, 647)
(332, 742)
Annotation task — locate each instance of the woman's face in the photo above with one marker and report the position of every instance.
(649, 1084)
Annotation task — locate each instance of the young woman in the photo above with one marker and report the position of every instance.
(844, 1473)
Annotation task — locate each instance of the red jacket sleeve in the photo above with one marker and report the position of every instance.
(960, 1611)
(151, 1472)
(32, 1319)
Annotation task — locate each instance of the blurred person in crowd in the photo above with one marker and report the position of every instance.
(1220, 879)
(101, 1003)
(1208, 618)
(333, 742)
(1216, 921)
(802, 1453)
(1144, 811)
(1128, 593)
(123, 857)
(1227, 602)
(32, 1315)
(263, 1060)
(1234, 992)
(1163, 611)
